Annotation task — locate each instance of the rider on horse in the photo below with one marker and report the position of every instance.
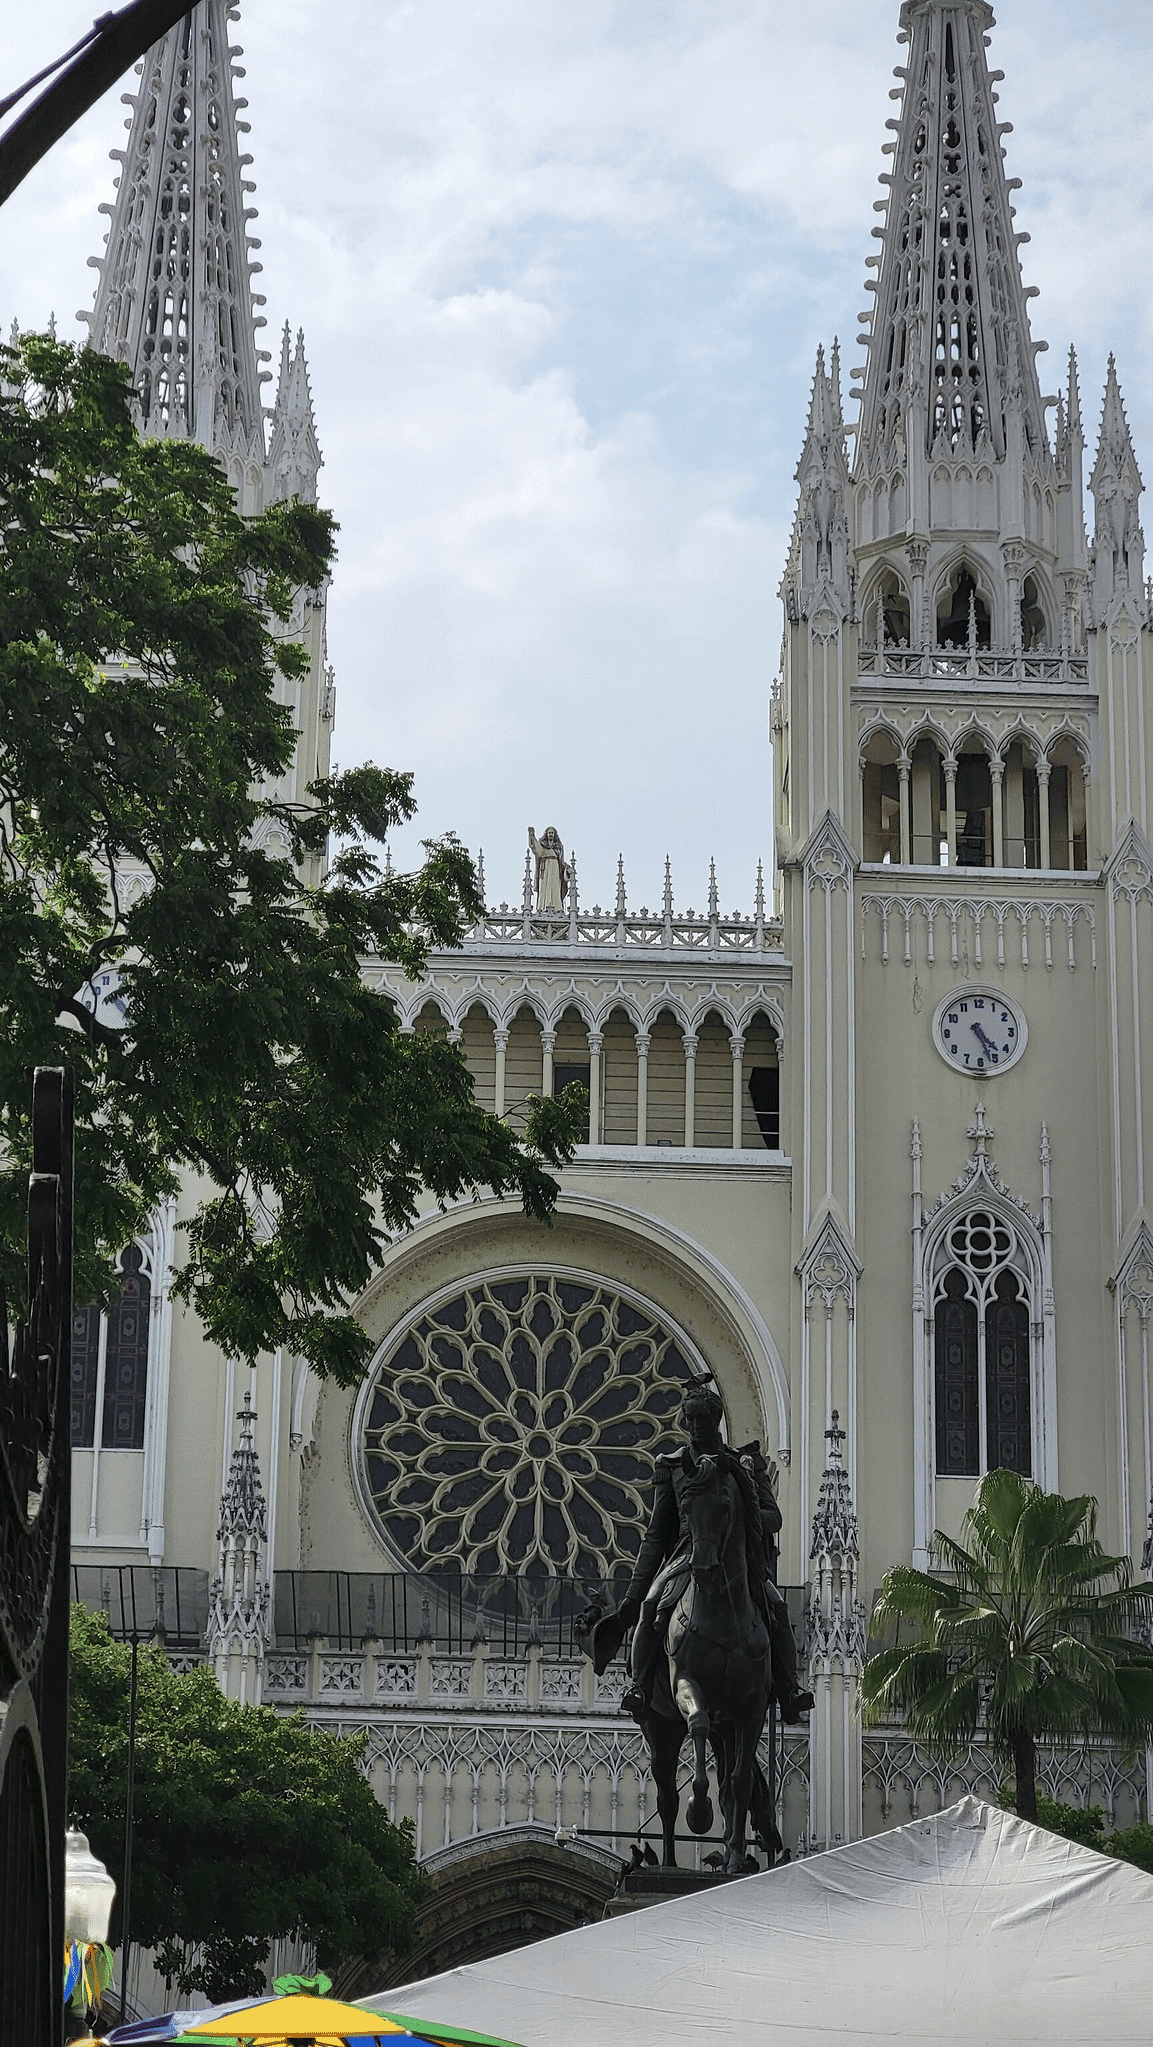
(661, 1569)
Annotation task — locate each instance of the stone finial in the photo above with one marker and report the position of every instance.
(237, 1632)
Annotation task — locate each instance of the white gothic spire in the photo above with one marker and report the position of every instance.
(949, 351)
(175, 298)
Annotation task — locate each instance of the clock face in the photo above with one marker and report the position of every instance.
(105, 997)
(979, 1030)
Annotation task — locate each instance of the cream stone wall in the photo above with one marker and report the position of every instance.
(959, 797)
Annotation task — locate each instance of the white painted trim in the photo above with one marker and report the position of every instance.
(162, 1260)
(229, 1416)
(1115, 1076)
(98, 1426)
(636, 1157)
(273, 1464)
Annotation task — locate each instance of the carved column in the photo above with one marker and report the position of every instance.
(836, 1656)
(690, 1045)
(596, 1047)
(997, 778)
(904, 765)
(737, 1048)
(917, 556)
(643, 1043)
(1013, 556)
(1043, 773)
(547, 1048)
(950, 767)
(500, 1043)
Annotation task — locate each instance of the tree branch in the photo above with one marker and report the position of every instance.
(121, 39)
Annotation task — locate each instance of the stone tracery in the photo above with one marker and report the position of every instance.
(513, 1427)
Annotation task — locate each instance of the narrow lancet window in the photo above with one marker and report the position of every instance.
(1007, 1379)
(957, 1399)
(126, 1366)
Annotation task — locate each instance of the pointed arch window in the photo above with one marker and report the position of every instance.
(1033, 633)
(109, 1363)
(958, 1404)
(1007, 1373)
(962, 612)
(982, 1352)
(887, 611)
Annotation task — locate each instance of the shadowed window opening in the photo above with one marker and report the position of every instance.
(1032, 617)
(564, 1073)
(974, 811)
(962, 609)
(765, 1095)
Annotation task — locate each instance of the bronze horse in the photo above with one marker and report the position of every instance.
(719, 1675)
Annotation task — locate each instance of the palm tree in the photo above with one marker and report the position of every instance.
(1030, 1630)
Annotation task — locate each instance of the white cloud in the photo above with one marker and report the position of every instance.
(562, 271)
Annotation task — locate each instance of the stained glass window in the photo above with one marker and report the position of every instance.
(1007, 1379)
(957, 1403)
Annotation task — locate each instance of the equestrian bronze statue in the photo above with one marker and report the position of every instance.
(711, 1641)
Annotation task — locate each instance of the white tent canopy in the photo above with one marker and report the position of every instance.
(969, 1927)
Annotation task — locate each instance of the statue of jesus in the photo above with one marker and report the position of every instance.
(551, 872)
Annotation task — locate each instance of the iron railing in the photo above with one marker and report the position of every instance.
(450, 1612)
(144, 1602)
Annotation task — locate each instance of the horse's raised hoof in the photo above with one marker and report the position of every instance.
(700, 1814)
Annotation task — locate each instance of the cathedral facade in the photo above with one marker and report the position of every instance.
(871, 1156)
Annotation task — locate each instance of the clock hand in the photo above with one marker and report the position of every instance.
(979, 1033)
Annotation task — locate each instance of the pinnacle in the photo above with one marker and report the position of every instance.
(1115, 453)
(1073, 409)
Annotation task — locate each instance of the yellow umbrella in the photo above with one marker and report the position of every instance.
(279, 2020)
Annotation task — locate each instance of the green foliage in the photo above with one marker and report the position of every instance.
(1029, 1634)
(1086, 1825)
(247, 1826)
(1133, 1844)
(140, 741)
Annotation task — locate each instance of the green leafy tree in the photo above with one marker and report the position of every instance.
(140, 742)
(1030, 1634)
(247, 1826)
(1085, 1824)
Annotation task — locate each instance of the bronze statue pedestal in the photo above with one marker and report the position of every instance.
(640, 1888)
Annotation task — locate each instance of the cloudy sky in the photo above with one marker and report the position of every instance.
(562, 272)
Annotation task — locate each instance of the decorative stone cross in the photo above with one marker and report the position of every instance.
(979, 1131)
(834, 1437)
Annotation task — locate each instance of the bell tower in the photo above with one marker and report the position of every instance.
(177, 302)
(963, 755)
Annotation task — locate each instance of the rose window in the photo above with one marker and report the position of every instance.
(515, 1426)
